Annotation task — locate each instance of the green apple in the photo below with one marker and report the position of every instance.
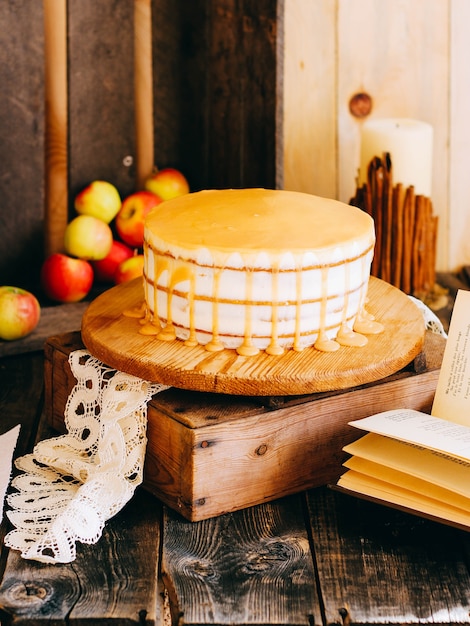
(87, 237)
(100, 199)
(19, 313)
(129, 269)
(167, 183)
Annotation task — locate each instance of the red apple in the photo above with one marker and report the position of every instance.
(100, 199)
(19, 313)
(105, 269)
(167, 183)
(131, 217)
(129, 269)
(65, 279)
(87, 237)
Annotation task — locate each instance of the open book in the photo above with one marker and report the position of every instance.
(419, 462)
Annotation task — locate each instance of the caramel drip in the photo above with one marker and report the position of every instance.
(215, 345)
(274, 348)
(323, 344)
(192, 339)
(176, 276)
(150, 325)
(348, 337)
(365, 323)
(247, 348)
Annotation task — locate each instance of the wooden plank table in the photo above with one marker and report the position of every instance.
(317, 557)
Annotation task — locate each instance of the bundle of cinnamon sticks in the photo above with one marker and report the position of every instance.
(405, 227)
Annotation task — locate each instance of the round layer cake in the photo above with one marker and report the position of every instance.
(258, 269)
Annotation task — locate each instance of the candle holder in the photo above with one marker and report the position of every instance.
(405, 227)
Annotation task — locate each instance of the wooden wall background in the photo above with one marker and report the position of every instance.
(410, 56)
(233, 92)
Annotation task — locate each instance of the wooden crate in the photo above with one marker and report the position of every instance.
(209, 454)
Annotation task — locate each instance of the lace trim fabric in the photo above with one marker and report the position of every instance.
(431, 321)
(73, 483)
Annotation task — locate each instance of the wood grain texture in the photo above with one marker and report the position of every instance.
(409, 58)
(101, 101)
(112, 582)
(54, 319)
(250, 567)
(377, 565)
(310, 123)
(218, 91)
(143, 91)
(308, 371)
(21, 142)
(56, 213)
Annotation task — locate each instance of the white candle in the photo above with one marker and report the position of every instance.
(409, 143)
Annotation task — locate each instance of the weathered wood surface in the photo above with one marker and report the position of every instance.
(250, 567)
(22, 185)
(218, 90)
(315, 558)
(376, 565)
(54, 319)
(101, 94)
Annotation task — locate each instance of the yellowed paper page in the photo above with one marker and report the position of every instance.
(411, 483)
(421, 429)
(452, 398)
(420, 463)
(358, 483)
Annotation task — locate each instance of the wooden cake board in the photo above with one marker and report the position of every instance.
(115, 340)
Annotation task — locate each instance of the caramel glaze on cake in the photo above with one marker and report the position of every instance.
(258, 269)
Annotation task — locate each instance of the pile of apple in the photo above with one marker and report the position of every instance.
(103, 243)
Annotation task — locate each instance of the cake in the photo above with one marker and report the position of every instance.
(258, 269)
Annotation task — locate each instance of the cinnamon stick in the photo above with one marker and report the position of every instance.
(387, 219)
(397, 234)
(408, 228)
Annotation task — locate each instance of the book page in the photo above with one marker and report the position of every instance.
(452, 398)
(364, 485)
(421, 429)
(418, 463)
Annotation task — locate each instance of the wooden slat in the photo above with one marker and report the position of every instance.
(56, 214)
(310, 124)
(143, 90)
(21, 141)
(101, 94)
(217, 91)
(377, 565)
(457, 215)
(249, 567)
(111, 582)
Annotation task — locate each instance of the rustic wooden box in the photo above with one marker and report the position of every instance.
(209, 454)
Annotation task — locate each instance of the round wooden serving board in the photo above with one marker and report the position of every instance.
(115, 340)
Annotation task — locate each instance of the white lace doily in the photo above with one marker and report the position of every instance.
(73, 483)
(431, 321)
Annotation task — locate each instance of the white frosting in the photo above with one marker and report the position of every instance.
(229, 293)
